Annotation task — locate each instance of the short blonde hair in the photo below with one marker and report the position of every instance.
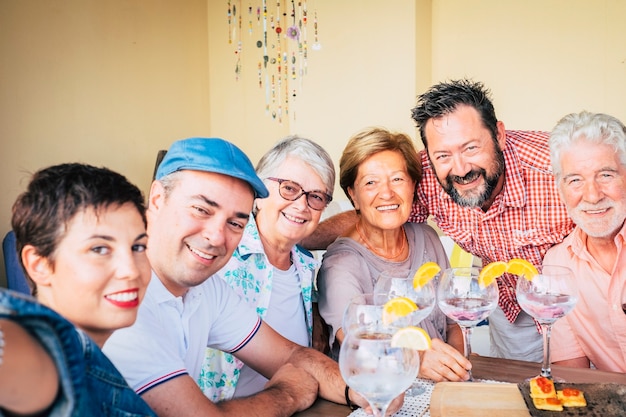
(371, 141)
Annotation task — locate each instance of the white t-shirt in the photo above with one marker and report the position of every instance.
(171, 333)
(285, 315)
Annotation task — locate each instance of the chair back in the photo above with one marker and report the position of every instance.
(160, 155)
(16, 280)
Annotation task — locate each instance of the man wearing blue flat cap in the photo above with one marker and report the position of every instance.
(198, 208)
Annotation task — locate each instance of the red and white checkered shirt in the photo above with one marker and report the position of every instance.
(524, 221)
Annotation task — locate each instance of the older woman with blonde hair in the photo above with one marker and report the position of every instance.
(379, 170)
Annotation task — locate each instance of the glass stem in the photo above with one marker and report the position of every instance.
(546, 329)
(467, 339)
(380, 410)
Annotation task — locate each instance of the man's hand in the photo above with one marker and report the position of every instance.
(442, 362)
(295, 384)
(329, 230)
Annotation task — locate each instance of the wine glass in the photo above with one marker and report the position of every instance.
(373, 368)
(466, 301)
(363, 310)
(549, 296)
(399, 283)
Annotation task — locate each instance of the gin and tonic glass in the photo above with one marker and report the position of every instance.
(399, 283)
(462, 298)
(373, 368)
(549, 296)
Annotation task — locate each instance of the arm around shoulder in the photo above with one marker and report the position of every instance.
(329, 230)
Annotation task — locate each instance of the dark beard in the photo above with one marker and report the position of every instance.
(491, 182)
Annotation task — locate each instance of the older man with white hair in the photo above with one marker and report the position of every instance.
(588, 153)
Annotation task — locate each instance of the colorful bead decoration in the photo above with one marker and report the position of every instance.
(282, 57)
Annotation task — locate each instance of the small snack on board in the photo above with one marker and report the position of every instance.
(542, 387)
(550, 404)
(545, 396)
(572, 397)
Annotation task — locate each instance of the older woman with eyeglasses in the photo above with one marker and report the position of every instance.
(268, 268)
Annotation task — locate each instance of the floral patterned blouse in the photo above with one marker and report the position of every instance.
(249, 273)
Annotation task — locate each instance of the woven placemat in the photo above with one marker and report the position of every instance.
(417, 406)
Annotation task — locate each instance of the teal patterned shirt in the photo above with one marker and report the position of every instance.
(249, 273)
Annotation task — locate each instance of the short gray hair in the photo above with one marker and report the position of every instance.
(597, 128)
(304, 149)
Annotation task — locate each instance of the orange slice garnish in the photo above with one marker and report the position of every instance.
(490, 272)
(522, 267)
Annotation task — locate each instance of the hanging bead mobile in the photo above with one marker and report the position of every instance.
(279, 37)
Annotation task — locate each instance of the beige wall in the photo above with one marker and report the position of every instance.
(542, 59)
(111, 82)
(363, 75)
(102, 82)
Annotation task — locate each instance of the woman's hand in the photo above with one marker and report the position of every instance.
(442, 362)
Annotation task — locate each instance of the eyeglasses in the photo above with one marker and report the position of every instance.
(291, 191)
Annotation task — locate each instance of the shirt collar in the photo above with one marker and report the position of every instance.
(251, 244)
(514, 191)
(250, 241)
(578, 242)
(161, 294)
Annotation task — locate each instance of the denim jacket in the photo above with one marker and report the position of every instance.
(89, 383)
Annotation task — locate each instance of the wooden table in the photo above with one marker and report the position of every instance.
(484, 367)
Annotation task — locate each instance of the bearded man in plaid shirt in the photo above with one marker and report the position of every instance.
(491, 190)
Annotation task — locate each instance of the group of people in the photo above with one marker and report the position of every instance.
(556, 198)
(203, 300)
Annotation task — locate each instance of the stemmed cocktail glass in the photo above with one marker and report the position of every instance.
(373, 368)
(462, 298)
(399, 283)
(363, 310)
(547, 297)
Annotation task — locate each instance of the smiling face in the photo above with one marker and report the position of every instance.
(593, 186)
(465, 158)
(383, 190)
(195, 229)
(284, 222)
(99, 271)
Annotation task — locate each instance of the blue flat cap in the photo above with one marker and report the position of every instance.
(211, 155)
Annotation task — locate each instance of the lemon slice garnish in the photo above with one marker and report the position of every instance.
(425, 273)
(397, 308)
(411, 337)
